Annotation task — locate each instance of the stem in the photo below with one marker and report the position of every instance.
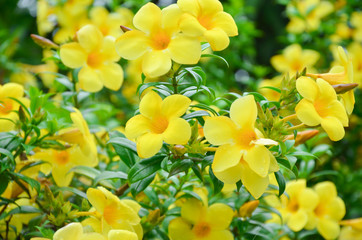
(75, 96)
(290, 117)
(296, 127)
(174, 84)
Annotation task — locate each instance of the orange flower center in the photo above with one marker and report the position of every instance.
(297, 65)
(245, 137)
(293, 206)
(61, 157)
(322, 108)
(159, 125)
(94, 60)
(6, 106)
(320, 210)
(202, 229)
(160, 40)
(110, 213)
(206, 21)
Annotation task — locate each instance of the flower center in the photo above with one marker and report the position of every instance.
(61, 157)
(293, 206)
(110, 213)
(6, 106)
(205, 21)
(202, 229)
(322, 108)
(319, 210)
(94, 60)
(245, 137)
(160, 40)
(159, 125)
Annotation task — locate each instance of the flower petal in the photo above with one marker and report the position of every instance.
(326, 190)
(280, 63)
(210, 7)
(179, 229)
(70, 231)
(108, 49)
(223, 234)
(61, 174)
(190, 26)
(217, 38)
(171, 17)
(243, 112)
(150, 104)
(307, 113)
(258, 159)
(308, 199)
(89, 37)
(156, 63)
(148, 17)
(255, 184)
(73, 55)
(137, 126)
(297, 220)
(111, 76)
(14, 90)
(273, 167)
(326, 90)
(219, 216)
(189, 6)
(192, 210)
(336, 209)
(307, 87)
(149, 144)
(178, 131)
(122, 234)
(97, 198)
(219, 130)
(328, 228)
(333, 128)
(175, 106)
(89, 80)
(132, 44)
(185, 50)
(226, 22)
(230, 175)
(226, 156)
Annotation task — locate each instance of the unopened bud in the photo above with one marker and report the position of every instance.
(247, 209)
(154, 216)
(125, 29)
(43, 42)
(303, 136)
(180, 150)
(342, 88)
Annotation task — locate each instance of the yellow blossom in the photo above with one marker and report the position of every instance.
(158, 41)
(320, 106)
(310, 13)
(351, 230)
(296, 205)
(206, 19)
(247, 209)
(356, 21)
(270, 94)
(340, 74)
(8, 106)
(329, 211)
(198, 222)
(242, 154)
(355, 50)
(96, 56)
(113, 213)
(109, 23)
(43, 18)
(294, 59)
(159, 121)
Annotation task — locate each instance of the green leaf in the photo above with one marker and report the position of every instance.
(109, 175)
(6, 153)
(127, 156)
(73, 190)
(32, 182)
(281, 182)
(124, 142)
(90, 172)
(217, 184)
(304, 154)
(198, 172)
(145, 168)
(205, 107)
(4, 181)
(190, 194)
(272, 88)
(324, 173)
(216, 56)
(142, 184)
(195, 114)
(182, 165)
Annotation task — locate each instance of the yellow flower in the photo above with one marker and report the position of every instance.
(270, 94)
(320, 106)
(75, 231)
(198, 221)
(114, 213)
(340, 74)
(158, 41)
(109, 23)
(96, 56)
(43, 17)
(296, 205)
(159, 121)
(9, 106)
(329, 211)
(206, 19)
(247, 209)
(356, 21)
(242, 154)
(351, 230)
(294, 59)
(355, 49)
(310, 13)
